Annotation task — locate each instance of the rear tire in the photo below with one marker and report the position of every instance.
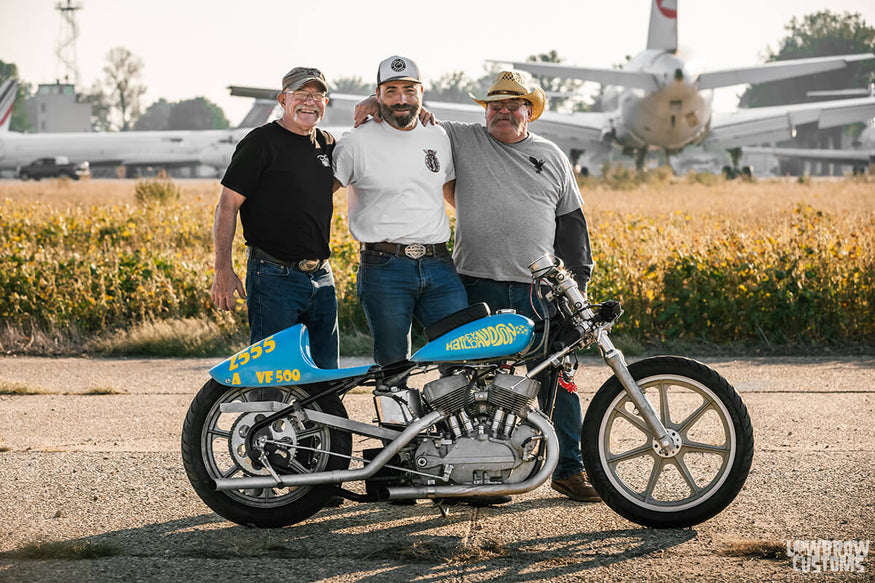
(212, 448)
(706, 418)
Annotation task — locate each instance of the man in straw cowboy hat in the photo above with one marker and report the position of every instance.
(516, 198)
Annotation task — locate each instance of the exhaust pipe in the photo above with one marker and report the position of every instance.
(336, 476)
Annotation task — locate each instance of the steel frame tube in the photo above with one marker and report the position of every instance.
(336, 476)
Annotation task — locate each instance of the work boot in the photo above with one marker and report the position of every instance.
(576, 487)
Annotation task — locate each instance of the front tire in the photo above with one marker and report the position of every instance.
(705, 417)
(213, 446)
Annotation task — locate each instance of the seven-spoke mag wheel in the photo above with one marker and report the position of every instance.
(711, 453)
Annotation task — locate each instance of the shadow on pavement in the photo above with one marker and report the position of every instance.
(384, 542)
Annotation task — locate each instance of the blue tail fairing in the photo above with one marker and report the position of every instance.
(281, 359)
(491, 337)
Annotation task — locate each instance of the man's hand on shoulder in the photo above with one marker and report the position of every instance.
(366, 109)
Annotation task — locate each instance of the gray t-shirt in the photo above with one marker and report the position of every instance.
(507, 199)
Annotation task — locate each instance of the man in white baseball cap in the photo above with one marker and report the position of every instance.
(396, 174)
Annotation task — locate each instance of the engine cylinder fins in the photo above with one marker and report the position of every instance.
(513, 393)
(447, 394)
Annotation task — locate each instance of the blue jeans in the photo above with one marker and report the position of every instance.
(393, 290)
(567, 415)
(279, 297)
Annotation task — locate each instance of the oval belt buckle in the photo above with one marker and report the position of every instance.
(414, 251)
(308, 265)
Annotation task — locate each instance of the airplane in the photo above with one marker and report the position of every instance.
(168, 148)
(859, 158)
(655, 102)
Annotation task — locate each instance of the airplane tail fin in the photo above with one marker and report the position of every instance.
(663, 33)
(8, 91)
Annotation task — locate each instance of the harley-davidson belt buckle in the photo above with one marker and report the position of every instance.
(309, 265)
(414, 251)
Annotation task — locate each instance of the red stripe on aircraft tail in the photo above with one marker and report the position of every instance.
(6, 116)
(667, 12)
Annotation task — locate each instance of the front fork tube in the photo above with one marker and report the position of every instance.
(614, 359)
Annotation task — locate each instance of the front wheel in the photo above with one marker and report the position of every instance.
(713, 444)
(214, 446)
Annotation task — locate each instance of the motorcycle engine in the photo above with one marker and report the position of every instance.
(485, 439)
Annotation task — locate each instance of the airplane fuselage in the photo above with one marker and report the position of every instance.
(168, 148)
(673, 115)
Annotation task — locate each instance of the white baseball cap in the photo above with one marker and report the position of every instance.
(397, 68)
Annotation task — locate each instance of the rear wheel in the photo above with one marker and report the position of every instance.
(214, 446)
(713, 444)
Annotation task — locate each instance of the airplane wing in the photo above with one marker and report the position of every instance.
(777, 70)
(850, 157)
(575, 131)
(768, 124)
(632, 79)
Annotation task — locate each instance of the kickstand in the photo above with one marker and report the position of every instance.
(443, 508)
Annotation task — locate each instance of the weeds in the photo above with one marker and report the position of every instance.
(762, 549)
(17, 389)
(157, 190)
(66, 551)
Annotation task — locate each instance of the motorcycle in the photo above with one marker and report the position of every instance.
(666, 441)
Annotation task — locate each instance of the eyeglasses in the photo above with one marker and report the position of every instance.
(317, 96)
(511, 104)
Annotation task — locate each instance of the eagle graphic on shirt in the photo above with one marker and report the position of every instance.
(538, 164)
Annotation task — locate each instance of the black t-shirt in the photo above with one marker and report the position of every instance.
(287, 181)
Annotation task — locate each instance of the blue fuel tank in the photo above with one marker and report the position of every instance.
(487, 338)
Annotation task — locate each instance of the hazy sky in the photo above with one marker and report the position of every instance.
(199, 47)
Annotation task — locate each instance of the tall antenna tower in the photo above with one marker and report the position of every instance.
(68, 66)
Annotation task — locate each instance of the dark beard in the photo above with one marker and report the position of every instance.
(400, 119)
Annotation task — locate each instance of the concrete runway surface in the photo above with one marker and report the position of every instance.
(104, 472)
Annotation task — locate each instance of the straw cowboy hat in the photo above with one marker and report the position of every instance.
(511, 84)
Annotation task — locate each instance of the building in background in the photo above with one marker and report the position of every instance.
(55, 108)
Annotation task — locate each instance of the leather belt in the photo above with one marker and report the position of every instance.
(413, 250)
(302, 265)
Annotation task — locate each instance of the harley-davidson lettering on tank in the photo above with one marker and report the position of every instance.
(490, 337)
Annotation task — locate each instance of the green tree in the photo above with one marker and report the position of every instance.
(196, 114)
(100, 107)
(19, 121)
(156, 117)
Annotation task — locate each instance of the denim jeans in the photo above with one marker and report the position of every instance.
(279, 297)
(393, 290)
(567, 415)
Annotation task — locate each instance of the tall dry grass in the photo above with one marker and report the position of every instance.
(772, 263)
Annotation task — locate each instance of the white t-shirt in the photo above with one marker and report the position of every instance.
(395, 182)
